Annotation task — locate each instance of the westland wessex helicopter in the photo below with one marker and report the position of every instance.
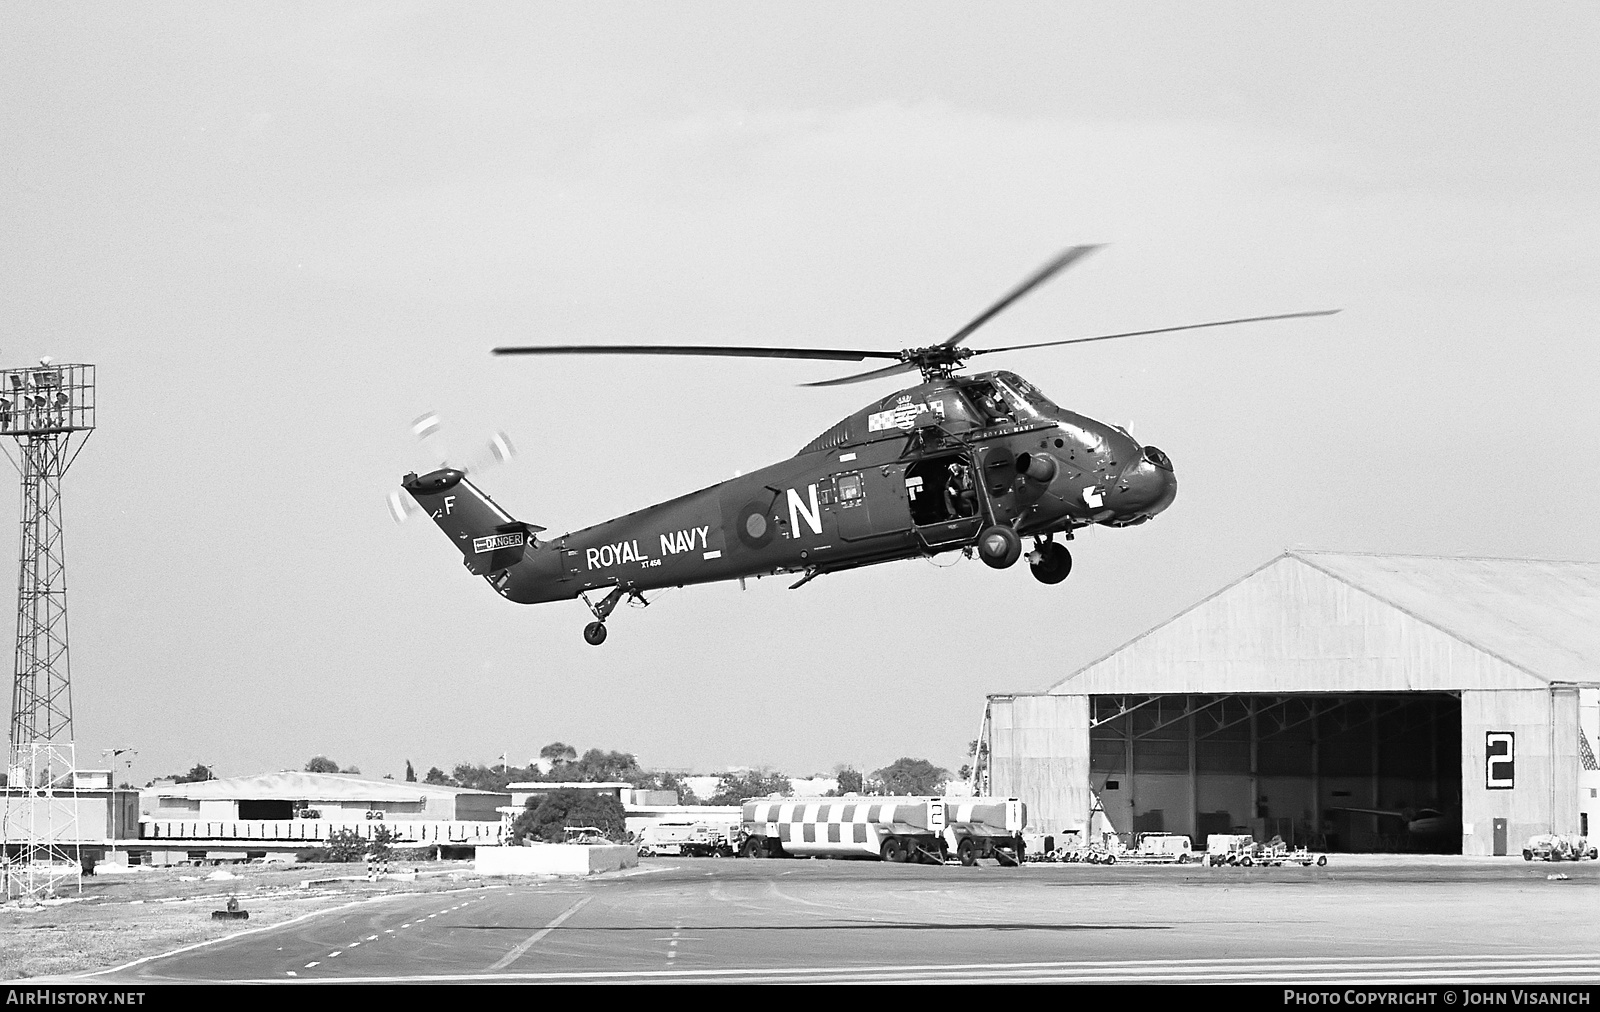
(975, 464)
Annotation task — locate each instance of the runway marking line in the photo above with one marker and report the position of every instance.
(241, 934)
(533, 939)
(1444, 968)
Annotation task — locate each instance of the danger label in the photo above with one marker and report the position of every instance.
(490, 544)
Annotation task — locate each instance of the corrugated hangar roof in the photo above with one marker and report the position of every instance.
(1543, 617)
(292, 785)
(1332, 621)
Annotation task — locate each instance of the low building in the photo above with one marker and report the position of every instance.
(98, 818)
(290, 814)
(334, 796)
(536, 790)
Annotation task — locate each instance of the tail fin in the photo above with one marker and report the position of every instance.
(489, 540)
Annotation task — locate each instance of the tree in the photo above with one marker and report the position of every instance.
(411, 774)
(595, 766)
(670, 781)
(547, 820)
(321, 764)
(736, 787)
(978, 752)
(195, 775)
(558, 752)
(351, 769)
(849, 780)
(912, 776)
(344, 845)
(438, 776)
(479, 777)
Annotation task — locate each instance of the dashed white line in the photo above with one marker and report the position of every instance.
(332, 954)
(314, 962)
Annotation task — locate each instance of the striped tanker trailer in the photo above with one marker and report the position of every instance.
(893, 829)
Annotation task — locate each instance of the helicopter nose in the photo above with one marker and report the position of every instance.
(1146, 487)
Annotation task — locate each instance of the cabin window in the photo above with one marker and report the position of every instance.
(849, 488)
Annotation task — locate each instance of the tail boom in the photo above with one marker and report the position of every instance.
(489, 539)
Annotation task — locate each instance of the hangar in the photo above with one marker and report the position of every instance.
(1349, 701)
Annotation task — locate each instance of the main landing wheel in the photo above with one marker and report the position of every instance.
(594, 633)
(1050, 563)
(999, 546)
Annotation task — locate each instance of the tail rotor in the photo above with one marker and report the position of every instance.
(427, 428)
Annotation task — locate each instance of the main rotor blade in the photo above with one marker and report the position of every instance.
(862, 377)
(1159, 330)
(724, 351)
(1034, 280)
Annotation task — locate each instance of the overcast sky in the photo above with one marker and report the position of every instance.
(283, 231)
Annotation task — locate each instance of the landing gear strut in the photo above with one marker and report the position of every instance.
(1050, 562)
(595, 632)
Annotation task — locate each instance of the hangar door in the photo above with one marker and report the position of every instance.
(1374, 772)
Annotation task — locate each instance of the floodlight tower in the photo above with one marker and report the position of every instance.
(43, 408)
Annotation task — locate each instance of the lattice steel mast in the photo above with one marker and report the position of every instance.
(43, 408)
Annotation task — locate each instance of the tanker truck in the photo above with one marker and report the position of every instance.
(928, 830)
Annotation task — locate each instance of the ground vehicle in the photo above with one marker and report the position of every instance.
(1159, 848)
(973, 464)
(1244, 851)
(1275, 853)
(897, 829)
(1559, 847)
(1228, 848)
(686, 839)
(585, 835)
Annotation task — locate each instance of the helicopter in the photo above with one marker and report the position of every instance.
(978, 464)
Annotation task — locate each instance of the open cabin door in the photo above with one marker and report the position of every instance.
(945, 498)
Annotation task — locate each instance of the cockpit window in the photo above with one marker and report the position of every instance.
(1020, 406)
(991, 403)
(1041, 405)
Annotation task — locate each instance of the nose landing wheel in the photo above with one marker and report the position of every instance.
(999, 546)
(594, 633)
(1050, 562)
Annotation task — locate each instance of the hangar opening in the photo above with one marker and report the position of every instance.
(1345, 701)
(1365, 772)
